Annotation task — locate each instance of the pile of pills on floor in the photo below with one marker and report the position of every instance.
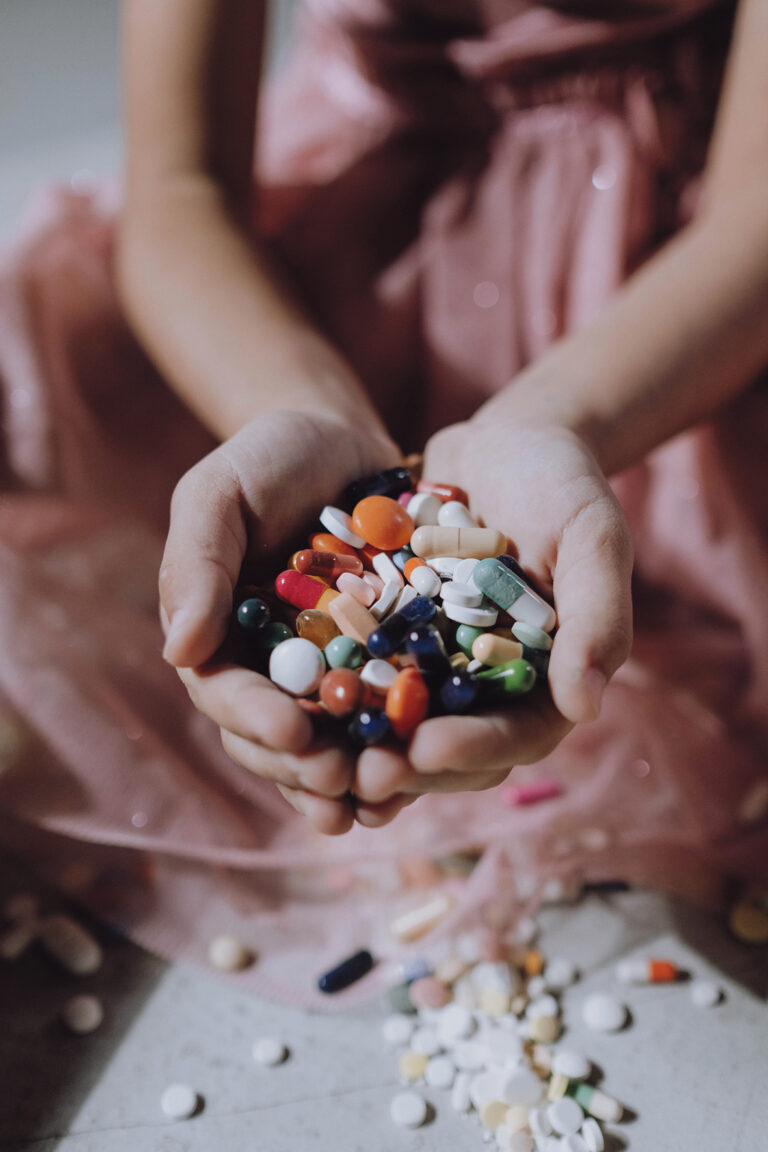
(401, 608)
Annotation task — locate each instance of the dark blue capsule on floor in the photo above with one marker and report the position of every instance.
(252, 615)
(346, 973)
(370, 726)
(460, 692)
(390, 634)
(393, 482)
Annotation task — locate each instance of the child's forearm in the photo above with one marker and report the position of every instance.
(227, 336)
(685, 334)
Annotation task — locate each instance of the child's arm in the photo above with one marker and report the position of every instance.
(687, 333)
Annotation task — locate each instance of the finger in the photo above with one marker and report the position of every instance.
(493, 741)
(380, 774)
(325, 770)
(377, 815)
(248, 705)
(594, 604)
(331, 817)
(203, 554)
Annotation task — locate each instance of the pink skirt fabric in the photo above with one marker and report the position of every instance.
(451, 192)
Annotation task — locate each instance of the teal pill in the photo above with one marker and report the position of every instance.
(531, 637)
(466, 634)
(498, 582)
(400, 1000)
(273, 634)
(344, 652)
(514, 677)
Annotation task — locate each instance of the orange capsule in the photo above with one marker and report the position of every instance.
(327, 542)
(382, 522)
(533, 962)
(328, 565)
(444, 492)
(414, 562)
(407, 702)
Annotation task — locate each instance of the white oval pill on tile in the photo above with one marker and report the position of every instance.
(466, 595)
(592, 1134)
(705, 993)
(454, 514)
(565, 1115)
(460, 1098)
(339, 524)
(408, 1109)
(297, 666)
(179, 1101)
(379, 674)
(269, 1051)
(573, 1142)
(477, 617)
(455, 1023)
(439, 1072)
(71, 945)
(426, 1042)
(571, 1064)
(229, 954)
(542, 1006)
(82, 1014)
(603, 1013)
(398, 1029)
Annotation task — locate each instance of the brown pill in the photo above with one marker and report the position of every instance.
(341, 691)
(316, 626)
(328, 565)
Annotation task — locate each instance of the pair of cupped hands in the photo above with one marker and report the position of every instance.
(539, 484)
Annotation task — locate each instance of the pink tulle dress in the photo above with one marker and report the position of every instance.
(452, 184)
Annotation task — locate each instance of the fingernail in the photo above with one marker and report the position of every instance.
(595, 682)
(177, 624)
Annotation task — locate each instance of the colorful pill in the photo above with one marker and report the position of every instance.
(647, 972)
(344, 652)
(512, 594)
(352, 617)
(407, 702)
(393, 482)
(341, 691)
(375, 581)
(316, 626)
(538, 660)
(70, 944)
(494, 650)
(404, 498)
(443, 492)
(595, 1102)
(379, 675)
(459, 542)
(370, 726)
(273, 634)
(327, 542)
(401, 557)
(520, 795)
(328, 565)
(391, 633)
(425, 580)
(357, 587)
(514, 678)
(426, 646)
(412, 564)
(382, 522)
(252, 615)
(340, 524)
(514, 566)
(346, 973)
(460, 692)
(302, 591)
(466, 635)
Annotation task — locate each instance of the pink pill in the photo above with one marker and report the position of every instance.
(429, 993)
(375, 582)
(517, 795)
(357, 587)
(404, 498)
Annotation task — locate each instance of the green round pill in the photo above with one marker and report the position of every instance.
(344, 652)
(466, 634)
(273, 634)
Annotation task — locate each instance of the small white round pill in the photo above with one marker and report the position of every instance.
(476, 617)
(536, 986)
(572, 1064)
(522, 1086)
(454, 514)
(542, 1006)
(560, 973)
(269, 1051)
(179, 1101)
(21, 906)
(539, 1124)
(82, 1014)
(466, 595)
(705, 993)
(229, 954)
(339, 524)
(463, 571)
(455, 1023)
(379, 674)
(440, 1072)
(603, 1013)
(592, 1134)
(425, 580)
(397, 1029)
(565, 1115)
(426, 1042)
(408, 1109)
(297, 666)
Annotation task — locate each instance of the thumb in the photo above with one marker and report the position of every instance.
(594, 604)
(201, 563)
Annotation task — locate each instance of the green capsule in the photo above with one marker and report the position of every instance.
(514, 677)
(466, 634)
(271, 635)
(344, 652)
(498, 582)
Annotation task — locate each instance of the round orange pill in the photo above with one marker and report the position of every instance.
(382, 522)
(407, 702)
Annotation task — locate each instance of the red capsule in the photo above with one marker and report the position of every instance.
(328, 565)
(303, 591)
(444, 492)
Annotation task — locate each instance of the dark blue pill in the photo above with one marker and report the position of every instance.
(460, 692)
(370, 726)
(425, 644)
(538, 659)
(512, 564)
(401, 558)
(346, 973)
(393, 482)
(252, 615)
(420, 610)
(390, 634)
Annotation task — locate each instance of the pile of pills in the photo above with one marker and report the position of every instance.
(401, 608)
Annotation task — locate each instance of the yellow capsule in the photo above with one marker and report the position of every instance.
(459, 661)
(412, 1066)
(493, 650)
(558, 1086)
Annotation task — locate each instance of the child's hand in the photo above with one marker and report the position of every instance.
(246, 497)
(543, 488)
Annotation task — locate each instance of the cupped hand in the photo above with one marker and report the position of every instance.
(241, 504)
(543, 487)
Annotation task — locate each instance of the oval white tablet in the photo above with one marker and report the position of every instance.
(454, 514)
(565, 1115)
(82, 1014)
(572, 1064)
(426, 1041)
(339, 524)
(560, 973)
(592, 1134)
(477, 617)
(297, 666)
(379, 674)
(705, 993)
(531, 637)
(460, 1098)
(603, 1013)
(179, 1101)
(398, 1029)
(542, 1006)
(445, 566)
(408, 1109)
(269, 1051)
(465, 594)
(385, 567)
(522, 1087)
(455, 1023)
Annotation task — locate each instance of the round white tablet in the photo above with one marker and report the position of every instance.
(465, 594)
(565, 1115)
(179, 1101)
(560, 973)
(408, 1109)
(229, 954)
(339, 524)
(455, 1022)
(82, 1014)
(603, 1013)
(439, 1072)
(542, 1006)
(297, 666)
(468, 1055)
(397, 1029)
(572, 1064)
(269, 1051)
(705, 993)
(592, 1134)
(379, 674)
(463, 571)
(477, 617)
(531, 637)
(522, 1086)
(426, 1041)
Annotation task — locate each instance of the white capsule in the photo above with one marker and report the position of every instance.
(229, 954)
(179, 1101)
(477, 617)
(573, 1065)
(385, 567)
(410, 925)
(425, 580)
(423, 508)
(565, 1115)
(439, 1072)
(466, 595)
(339, 524)
(460, 1098)
(475, 666)
(454, 514)
(269, 1051)
(445, 566)
(603, 1013)
(71, 945)
(379, 674)
(297, 666)
(408, 1109)
(15, 940)
(592, 1134)
(82, 1014)
(398, 1029)
(705, 993)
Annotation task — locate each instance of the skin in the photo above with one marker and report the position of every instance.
(224, 331)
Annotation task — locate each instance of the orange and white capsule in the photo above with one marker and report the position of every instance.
(647, 972)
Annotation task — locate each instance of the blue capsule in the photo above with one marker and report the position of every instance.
(253, 614)
(370, 726)
(346, 973)
(390, 634)
(460, 692)
(512, 564)
(401, 558)
(393, 482)
(425, 644)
